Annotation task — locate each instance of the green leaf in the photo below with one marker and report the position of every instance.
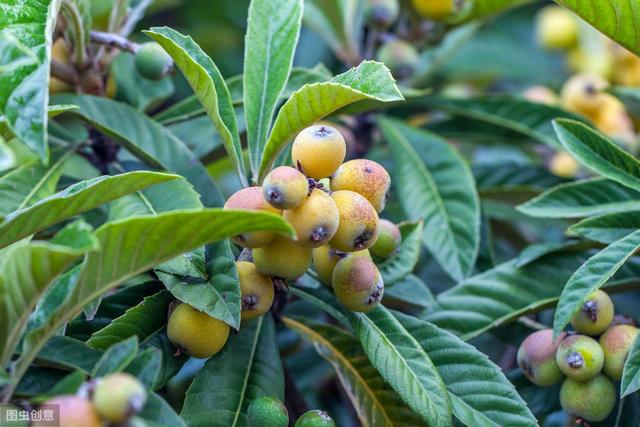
(529, 119)
(506, 292)
(129, 247)
(160, 413)
(588, 197)
(146, 367)
(630, 382)
(26, 269)
(630, 96)
(403, 363)
(273, 28)
(591, 275)
(598, 153)
(483, 8)
(375, 402)
(218, 295)
(28, 183)
(480, 393)
(141, 321)
(368, 81)
(248, 367)
(409, 291)
(607, 228)
(135, 90)
(25, 45)
(405, 259)
(116, 358)
(71, 353)
(616, 19)
(73, 200)
(437, 185)
(69, 384)
(147, 139)
(208, 85)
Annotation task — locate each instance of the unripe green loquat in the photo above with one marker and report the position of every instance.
(537, 358)
(381, 14)
(580, 357)
(366, 178)
(250, 198)
(595, 315)
(256, 289)
(315, 418)
(75, 411)
(282, 258)
(358, 224)
(152, 62)
(400, 57)
(199, 334)
(285, 188)
(388, 241)
(616, 342)
(592, 400)
(556, 28)
(357, 283)
(325, 259)
(118, 396)
(267, 411)
(315, 221)
(318, 151)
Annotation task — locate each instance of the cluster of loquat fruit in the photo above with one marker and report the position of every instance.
(110, 400)
(269, 411)
(333, 208)
(587, 367)
(597, 63)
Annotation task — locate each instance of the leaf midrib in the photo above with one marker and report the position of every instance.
(254, 345)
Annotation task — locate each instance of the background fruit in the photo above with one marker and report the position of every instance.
(592, 400)
(582, 93)
(564, 165)
(357, 283)
(434, 9)
(616, 342)
(256, 289)
(381, 14)
(365, 177)
(537, 358)
(315, 418)
(388, 241)
(152, 62)
(119, 396)
(400, 56)
(595, 315)
(282, 258)
(580, 357)
(75, 411)
(251, 198)
(285, 188)
(315, 221)
(267, 411)
(556, 28)
(197, 333)
(318, 150)
(358, 225)
(325, 259)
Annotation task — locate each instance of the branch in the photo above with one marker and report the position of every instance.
(114, 40)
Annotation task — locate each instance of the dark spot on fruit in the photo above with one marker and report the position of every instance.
(361, 241)
(590, 309)
(575, 360)
(367, 169)
(318, 234)
(275, 196)
(590, 89)
(249, 303)
(375, 295)
(299, 166)
(323, 131)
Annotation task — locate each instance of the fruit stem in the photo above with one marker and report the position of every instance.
(79, 42)
(114, 40)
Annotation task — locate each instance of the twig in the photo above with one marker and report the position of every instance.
(64, 73)
(114, 40)
(530, 323)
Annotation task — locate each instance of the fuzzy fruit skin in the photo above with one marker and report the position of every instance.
(315, 418)
(388, 241)
(592, 400)
(381, 14)
(596, 314)
(285, 188)
(325, 259)
(556, 28)
(282, 258)
(365, 177)
(400, 56)
(613, 120)
(318, 150)
(564, 165)
(616, 342)
(434, 9)
(358, 225)
(196, 332)
(152, 62)
(357, 283)
(119, 396)
(582, 93)
(250, 198)
(256, 289)
(315, 221)
(75, 411)
(267, 411)
(537, 358)
(580, 357)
